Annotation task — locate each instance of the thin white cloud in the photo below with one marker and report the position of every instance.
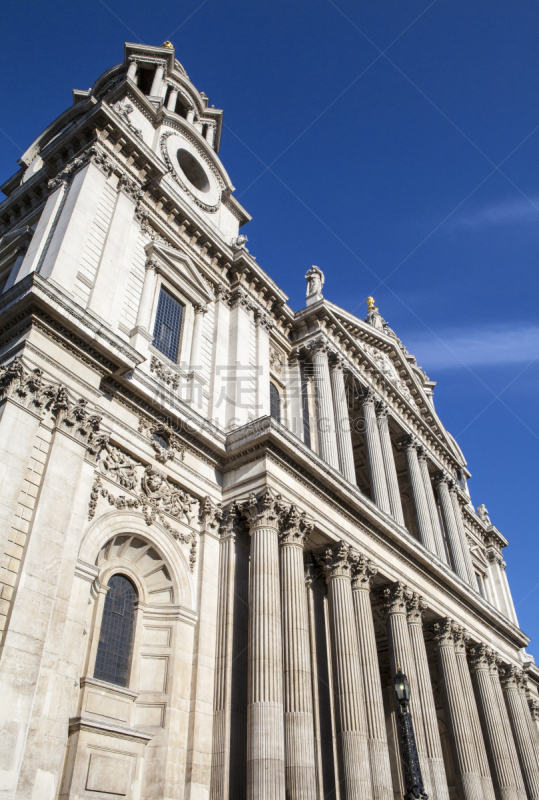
(510, 211)
(501, 344)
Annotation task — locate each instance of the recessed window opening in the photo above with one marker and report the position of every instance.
(168, 323)
(181, 107)
(161, 440)
(193, 171)
(145, 80)
(275, 402)
(115, 648)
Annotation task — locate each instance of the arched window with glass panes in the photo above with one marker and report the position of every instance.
(275, 402)
(115, 649)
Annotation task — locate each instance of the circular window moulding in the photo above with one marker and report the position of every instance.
(193, 170)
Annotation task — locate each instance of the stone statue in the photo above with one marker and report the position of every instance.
(482, 513)
(315, 281)
(374, 317)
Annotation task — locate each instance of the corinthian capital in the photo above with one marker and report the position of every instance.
(394, 598)
(415, 606)
(363, 570)
(336, 561)
(408, 443)
(534, 708)
(318, 345)
(211, 515)
(461, 638)
(263, 511)
(480, 657)
(295, 527)
(443, 632)
(510, 677)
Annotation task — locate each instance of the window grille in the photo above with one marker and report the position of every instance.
(117, 628)
(168, 323)
(275, 402)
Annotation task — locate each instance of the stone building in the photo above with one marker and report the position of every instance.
(224, 523)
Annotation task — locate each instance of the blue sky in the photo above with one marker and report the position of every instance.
(395, 145)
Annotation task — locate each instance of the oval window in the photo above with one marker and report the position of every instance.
(193, 170)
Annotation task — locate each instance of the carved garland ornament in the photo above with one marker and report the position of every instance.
(154, 494)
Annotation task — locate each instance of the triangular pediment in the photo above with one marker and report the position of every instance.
(181, 268)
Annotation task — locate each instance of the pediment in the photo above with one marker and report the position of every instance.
(180, 269)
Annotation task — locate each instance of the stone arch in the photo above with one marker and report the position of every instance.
(120, 541)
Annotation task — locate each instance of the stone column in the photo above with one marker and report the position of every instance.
(461, 731)
(415, 607)
(219, 385)
(230, 723)
(374, 454)
(472, 580)
(342, 421)
(157, 79)
(147, 297)
(294, 394)
(450, 524)
(363, 572)
(400, 652)
(195, 365)
(190, 115)
(388, 458)
(172, 98)
(133, 68)
(348, 687)
(263, 326)
(534, 712)
(521, 732)
(530, 716)
(493, 732)
(460, 638)
(495, 663)
(421, 507)
(327, 441)
(265, 729)
(300, 766)
(431, 503)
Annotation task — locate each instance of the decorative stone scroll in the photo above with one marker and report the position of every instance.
(164, 440)
(152, 493)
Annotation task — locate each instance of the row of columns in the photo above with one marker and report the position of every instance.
(495, 747)
(335, 447)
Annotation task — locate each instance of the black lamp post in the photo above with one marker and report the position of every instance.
(412, 769)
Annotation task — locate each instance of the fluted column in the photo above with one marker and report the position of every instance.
(530, 714)
(342, 421)
(521, 731)
(495, 663)
(461, 734)
(438, 781)
(472, 580)
(148, 295)
(431, 503)
(388, 458)
(401, 652)
(348, 685)
(489, 712)
(265, 728)
(363, 572)
(374, 454)
(424, 524)
(450, 524)
(534, 711)
(300, 767)
(325, 421)
(460, 638)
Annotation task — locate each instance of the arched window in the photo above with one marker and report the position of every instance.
(275, 402)
(117, 629)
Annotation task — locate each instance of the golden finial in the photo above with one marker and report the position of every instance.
(398, 662)
(168, 44)
(370, 302)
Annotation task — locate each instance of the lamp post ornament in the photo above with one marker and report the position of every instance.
(412, 770)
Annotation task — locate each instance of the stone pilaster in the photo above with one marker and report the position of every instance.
(348, 685)
(300, 766)
(461, 732)
(450, 524)
(374, 454)
(230, 722)
(265, 729)
(401, 652)
(534, 713)
(295, 396)
(472, 580)
(363, 571)
(495, 663)
(493, 732)
(511, 679)
(460, 639)
(421, 507)
(342, 421)
(388, 458)
(415, 607)
(327, 441)
(431, 503)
